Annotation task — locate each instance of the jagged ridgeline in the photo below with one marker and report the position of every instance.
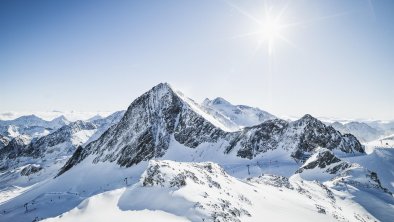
(153, 119)
(53, 147)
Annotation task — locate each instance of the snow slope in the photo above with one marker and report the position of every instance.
(383, 142)
(178, 191)
(237, 115)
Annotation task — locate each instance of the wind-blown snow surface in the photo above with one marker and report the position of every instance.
(113, 174)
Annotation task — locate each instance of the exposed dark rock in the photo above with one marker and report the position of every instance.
(325, 159)
(3, 141)
(30, 169)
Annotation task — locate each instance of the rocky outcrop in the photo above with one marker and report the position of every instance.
(301, 138)
(324, 159)
(3, 141)
(30, 169)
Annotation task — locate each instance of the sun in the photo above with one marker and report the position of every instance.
(271, 31)
(271, 27)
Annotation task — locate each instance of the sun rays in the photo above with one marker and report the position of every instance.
(273, 26)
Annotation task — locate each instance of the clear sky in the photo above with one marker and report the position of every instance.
(329, 58)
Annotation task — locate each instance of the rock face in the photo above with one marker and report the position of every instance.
(3, 141)
(258, 139)
(30, 169)
(324, 159)
(312, 133)
(16, 146)
(146, 129)
(301, 138)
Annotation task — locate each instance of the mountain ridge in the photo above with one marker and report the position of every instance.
(145, 130)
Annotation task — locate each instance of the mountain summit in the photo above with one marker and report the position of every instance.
(163, 117)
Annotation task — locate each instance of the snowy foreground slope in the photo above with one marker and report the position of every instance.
(174, 191)
(168, 158)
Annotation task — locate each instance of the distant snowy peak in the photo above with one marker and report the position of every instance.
(30, 120)
(58, 122)
(94, 118)
(104, 124)
(33, 120)
(216, 102)
(31, 126)
(362, 131)
(111, 119)
(239, 115)
(67, 137)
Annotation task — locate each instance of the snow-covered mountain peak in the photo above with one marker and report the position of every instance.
(361, 130)
(216, 101)
(94, 118)
(20, 141)
(162, 89)
(58, 122)
(308, 119)
(29, 120)
(235, 115)
(31, 126)
(146, 129)
(60, 118)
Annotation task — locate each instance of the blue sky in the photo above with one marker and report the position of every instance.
(336, 59)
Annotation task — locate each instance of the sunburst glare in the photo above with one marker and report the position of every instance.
(271, 27)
